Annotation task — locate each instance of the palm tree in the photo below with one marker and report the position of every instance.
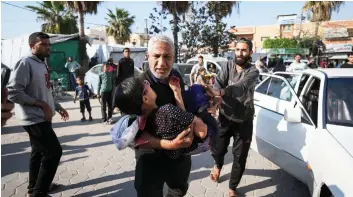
(322, 11)
(82, 8)
(56, 18)
(176, 8)
(119, 25)
(219, 10)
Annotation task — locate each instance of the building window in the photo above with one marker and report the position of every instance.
(264, 38)
(287, 27)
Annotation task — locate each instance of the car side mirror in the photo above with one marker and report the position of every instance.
(293, 114)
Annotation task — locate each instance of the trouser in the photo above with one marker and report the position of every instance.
(106, 101)
(44, 159)
(155, 169)
(85, 104)
(72, 76)
(242, 134)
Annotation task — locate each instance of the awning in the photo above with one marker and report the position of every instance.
(338, 57)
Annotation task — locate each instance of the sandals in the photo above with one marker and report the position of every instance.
(215, 176)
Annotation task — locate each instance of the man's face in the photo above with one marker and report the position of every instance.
(41, 48)
(350, 59)
(200, 60)
(160, 59)
(70, 60)
(297, 58)
(242, 53)
(126, 53)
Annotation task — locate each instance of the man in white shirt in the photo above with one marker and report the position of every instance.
(297, 66)
(195, 70)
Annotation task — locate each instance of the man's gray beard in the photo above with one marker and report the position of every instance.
(156, 75)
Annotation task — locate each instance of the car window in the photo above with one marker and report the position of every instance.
(184, 70)
(279, 89)
(193, 62)
(263, 87)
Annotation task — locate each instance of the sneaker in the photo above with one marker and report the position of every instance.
(110, 121)
(104, 121)
(83, 119)
(90, 118)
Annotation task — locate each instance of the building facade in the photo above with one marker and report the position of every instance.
(336, 35)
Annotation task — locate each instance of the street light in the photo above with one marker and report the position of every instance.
(146, 32)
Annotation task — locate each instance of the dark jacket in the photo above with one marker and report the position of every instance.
(238, 102)
(126, 69)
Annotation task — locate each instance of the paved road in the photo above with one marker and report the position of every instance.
(92, 166)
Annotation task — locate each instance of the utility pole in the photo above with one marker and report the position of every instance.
(146, 32)
(300, 27)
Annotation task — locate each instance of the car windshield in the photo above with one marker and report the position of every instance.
(339, 102)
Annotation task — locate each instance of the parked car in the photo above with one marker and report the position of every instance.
(303, 123)
(91, 76)
(184, 70)
(208, 61)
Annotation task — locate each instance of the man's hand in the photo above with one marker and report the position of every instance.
(64, 115)
(183, 140)
(6, 112)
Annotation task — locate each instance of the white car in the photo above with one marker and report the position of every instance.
(209, 60)
(91, 76)
(303, 122)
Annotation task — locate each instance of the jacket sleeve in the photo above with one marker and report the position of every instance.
(67, 63)
(19, 80)
(242, 86)
(221, 80)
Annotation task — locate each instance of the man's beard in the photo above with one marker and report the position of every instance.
(159, 76)
(242, 61)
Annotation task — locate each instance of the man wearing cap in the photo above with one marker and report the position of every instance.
(235, 86)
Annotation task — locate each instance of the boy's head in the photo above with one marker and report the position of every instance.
(79, 80)
(202, 71)
(133, 95)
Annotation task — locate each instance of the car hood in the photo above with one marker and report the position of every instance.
(344, 135)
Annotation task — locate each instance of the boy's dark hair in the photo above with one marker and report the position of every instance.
(34, 37)
(80, 78)
(349, 54)
(201, 57)
(126, 49)
(298, 54)
(128, 96)
(202, 69)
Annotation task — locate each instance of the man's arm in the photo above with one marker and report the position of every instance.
(19, 80)
(67, 63)
(77, 65)
(242, 86)
(222, 77)
(99, 84)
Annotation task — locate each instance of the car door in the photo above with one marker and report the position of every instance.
(282, 142)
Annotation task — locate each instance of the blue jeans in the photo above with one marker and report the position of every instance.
(72, 77)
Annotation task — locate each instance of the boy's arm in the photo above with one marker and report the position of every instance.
(75, 97)
(179, 99)
(89, 91)
(200, 128)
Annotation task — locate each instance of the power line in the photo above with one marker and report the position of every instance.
(34, 11)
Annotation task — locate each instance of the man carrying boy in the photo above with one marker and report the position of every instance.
(105, 88)
(83, 93)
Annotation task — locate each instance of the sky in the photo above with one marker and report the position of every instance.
(16, 22)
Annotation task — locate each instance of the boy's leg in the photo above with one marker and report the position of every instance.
(104, 106)
(82, 109)
(109, 101)
(89, 109)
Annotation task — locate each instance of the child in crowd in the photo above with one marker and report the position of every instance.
(135, 96)
(201, 77)
(83, 93)
(105, 89)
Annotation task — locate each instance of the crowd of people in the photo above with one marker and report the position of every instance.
(172, 123)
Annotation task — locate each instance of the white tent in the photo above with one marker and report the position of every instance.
(103, 52)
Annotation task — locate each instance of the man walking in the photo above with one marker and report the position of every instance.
(349, 64)
(195, 70)
(125, 67)
(154, 167)
(72, 66)
(29, 88)
(235, 84)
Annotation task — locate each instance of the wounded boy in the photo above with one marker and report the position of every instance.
(135, 96)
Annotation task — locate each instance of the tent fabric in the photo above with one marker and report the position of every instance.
(104, 52)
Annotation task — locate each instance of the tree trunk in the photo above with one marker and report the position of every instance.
(175, 36)
(83, 50)
(216, 43)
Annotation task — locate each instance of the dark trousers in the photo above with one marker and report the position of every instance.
(45, 157)
(107, 101)
(155, 169)
(242, 134)
(85, 104)
(72, 78)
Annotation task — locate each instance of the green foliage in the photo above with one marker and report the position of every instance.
(279, 43)
(119, 25)
(55, 17)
